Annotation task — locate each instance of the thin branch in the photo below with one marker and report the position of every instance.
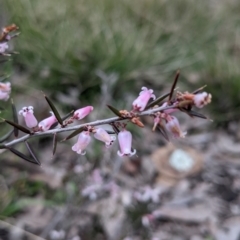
(94, 123)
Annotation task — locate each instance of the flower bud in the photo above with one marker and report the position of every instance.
(202, 99)
(103, 136)
(45, 124)
(173, 127)
(82, 112)
(84, 139)
(29, 117)
(125, 143)
(141, 101)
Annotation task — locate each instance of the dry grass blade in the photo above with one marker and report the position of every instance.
(32, 153)
(54, 109)
(173, 86)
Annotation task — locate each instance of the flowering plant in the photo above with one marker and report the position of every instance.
(160, 109)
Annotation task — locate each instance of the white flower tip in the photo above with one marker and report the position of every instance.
(133, 152)
(120, 154)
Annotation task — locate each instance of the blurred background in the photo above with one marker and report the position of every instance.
(96, 53)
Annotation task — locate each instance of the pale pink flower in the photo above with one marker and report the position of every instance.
(5, 90)
(202, 99)
(45, 124)
(4, 95)
(141, 101)
(82, 143)
(82, 112)
(173, 127)
(3, 47)
(5, 87)
(125, 143)
(103, 136)
(29, 117)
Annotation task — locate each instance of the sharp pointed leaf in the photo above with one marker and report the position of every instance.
(15, 118)
(157, 101)
(163, 132)
(54, 109)
(6, 136)
(73, 134)
(197, 114)
(63, 119)
(173, 86)
(54, 143)
(21, 155)
(115, 128)
(110, 132)
(199, 89)
(32, 153)
(21, 128)
(115, 111)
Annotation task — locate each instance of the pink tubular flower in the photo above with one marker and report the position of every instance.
(103, 136)
(29, 117)
(5, 90)
(173, 127)
(45, 124)
(82, 143)
(82, 112)
(202, 99)
(141, 101)
(125, 143)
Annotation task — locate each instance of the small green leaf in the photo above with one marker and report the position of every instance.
(21, 155)
(54, 109)
(54, 143)
(115, 128)
(6, 136)
(15, 118)
(32, 153)
(73, 134)
(21, 128)
(115, 111)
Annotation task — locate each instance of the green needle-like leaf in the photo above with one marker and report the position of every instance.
(21, 128)
(54, 109)
(15, 118)
(32, 153)
(115, 111)
(21, 155)
(73, 134)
